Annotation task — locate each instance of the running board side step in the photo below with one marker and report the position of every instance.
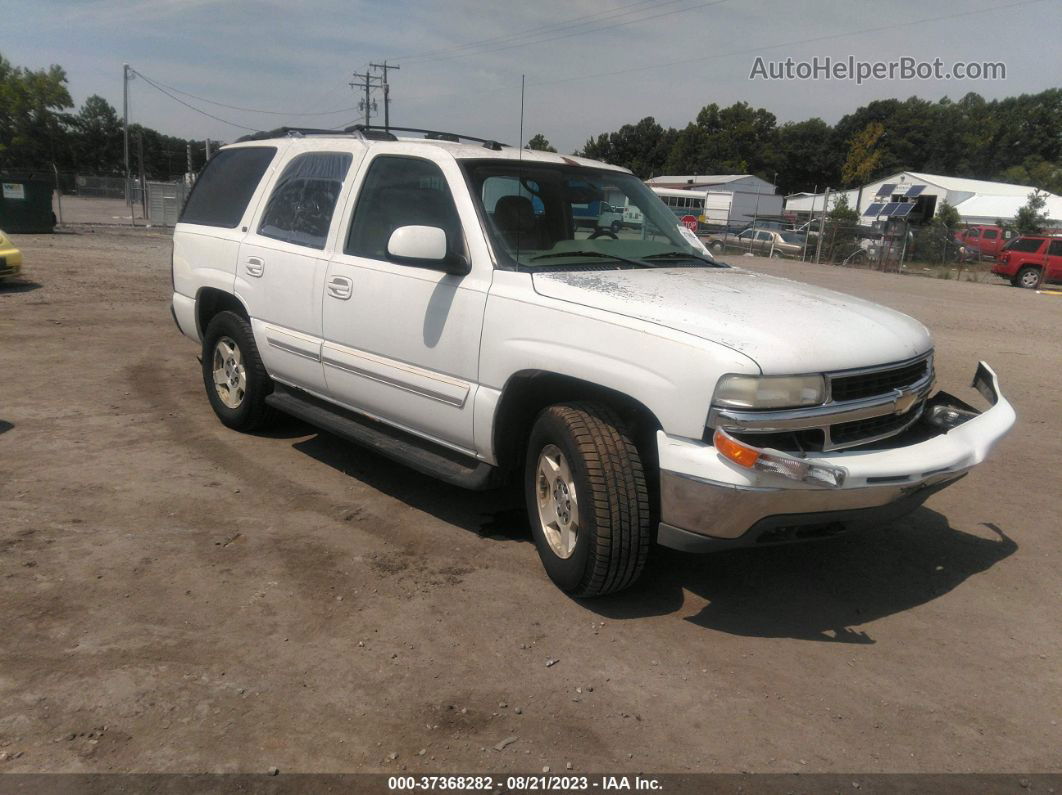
(419, 454)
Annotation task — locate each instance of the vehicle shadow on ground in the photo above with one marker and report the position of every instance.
(497, 514)
(818, 590)
(6, 426)
(18, 286)
(813, 591)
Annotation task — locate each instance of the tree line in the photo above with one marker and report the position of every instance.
(1016, 139)
(39, 129)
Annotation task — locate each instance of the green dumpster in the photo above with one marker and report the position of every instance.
(26, 205)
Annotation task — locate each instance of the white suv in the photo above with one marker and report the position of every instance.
(436, 301)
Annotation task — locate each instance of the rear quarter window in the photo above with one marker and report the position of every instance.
(1026, 244)
(225, 186)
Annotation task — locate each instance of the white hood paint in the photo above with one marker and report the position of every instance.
(783, 325)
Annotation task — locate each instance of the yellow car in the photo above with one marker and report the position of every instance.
(10, 257)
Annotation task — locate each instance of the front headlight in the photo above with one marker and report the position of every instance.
(769, 391)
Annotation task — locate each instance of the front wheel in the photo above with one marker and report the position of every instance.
(587, 499)
(235, 379)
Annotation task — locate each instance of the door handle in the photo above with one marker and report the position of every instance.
(340, 287)
(254, 266)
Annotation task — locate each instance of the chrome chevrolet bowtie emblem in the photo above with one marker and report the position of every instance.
(905, 401)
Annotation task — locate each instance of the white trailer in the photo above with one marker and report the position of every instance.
(719, 210)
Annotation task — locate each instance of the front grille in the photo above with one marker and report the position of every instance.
(878, 382)
(847, 432)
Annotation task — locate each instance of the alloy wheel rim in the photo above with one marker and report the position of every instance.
(558, 508)
(230, 375)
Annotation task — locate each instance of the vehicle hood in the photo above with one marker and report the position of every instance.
(783, 325)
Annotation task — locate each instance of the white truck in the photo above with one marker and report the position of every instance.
(642, 391)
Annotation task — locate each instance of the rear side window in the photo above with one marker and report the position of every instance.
(1055, 249)
(990, 234)
(1026, 244)
(300, 208)
(226, 185)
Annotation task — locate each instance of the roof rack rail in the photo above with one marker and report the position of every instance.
(372, 130)
(284, 132)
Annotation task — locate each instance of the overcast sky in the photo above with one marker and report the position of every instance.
(587, 61)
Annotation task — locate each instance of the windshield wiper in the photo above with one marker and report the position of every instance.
(681, 255)
(598, 254)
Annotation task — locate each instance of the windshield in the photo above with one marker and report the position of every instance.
(541, 215)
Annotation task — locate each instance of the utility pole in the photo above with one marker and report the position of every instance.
(143, 178)
(822, 222)
(125, 136)
(384, 67)
(365, 81)
(206, 147)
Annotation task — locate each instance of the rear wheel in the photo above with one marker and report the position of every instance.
(617, 226)
(1027, 278)
(587, 499)
(235, 379)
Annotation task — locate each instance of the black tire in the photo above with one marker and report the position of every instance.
(617, 226)
(614, 527)
(252, 413)
(1028, 277)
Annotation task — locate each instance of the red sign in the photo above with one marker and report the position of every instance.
(689, 222)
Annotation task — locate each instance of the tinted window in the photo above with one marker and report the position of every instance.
(402, 191)
(1055, 249)
(226, 185)
(990, 234)
(303, 200)
(973, 233)
(1026, 244)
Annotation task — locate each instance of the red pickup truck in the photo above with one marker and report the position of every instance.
(1025, 257)
(984, 240)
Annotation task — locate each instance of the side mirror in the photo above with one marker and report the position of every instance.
(425, 246)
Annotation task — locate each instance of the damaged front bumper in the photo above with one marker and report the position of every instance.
(710, 502)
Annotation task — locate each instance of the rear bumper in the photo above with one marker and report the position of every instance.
(708, 502)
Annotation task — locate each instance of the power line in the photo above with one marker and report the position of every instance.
(794, 42)
(562, 25)
(571, 33)
(251, 110)
(192, 107)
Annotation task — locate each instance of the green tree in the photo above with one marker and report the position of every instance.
(32, 124)
(1031, 219)
(842, 222)
(805, 162)
(935, 242)
(1035, 171)
(540, 143)
(98, 148)
(641, 147)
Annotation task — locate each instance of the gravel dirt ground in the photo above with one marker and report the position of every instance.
(175, 596)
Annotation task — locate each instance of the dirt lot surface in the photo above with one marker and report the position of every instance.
(175, 596)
